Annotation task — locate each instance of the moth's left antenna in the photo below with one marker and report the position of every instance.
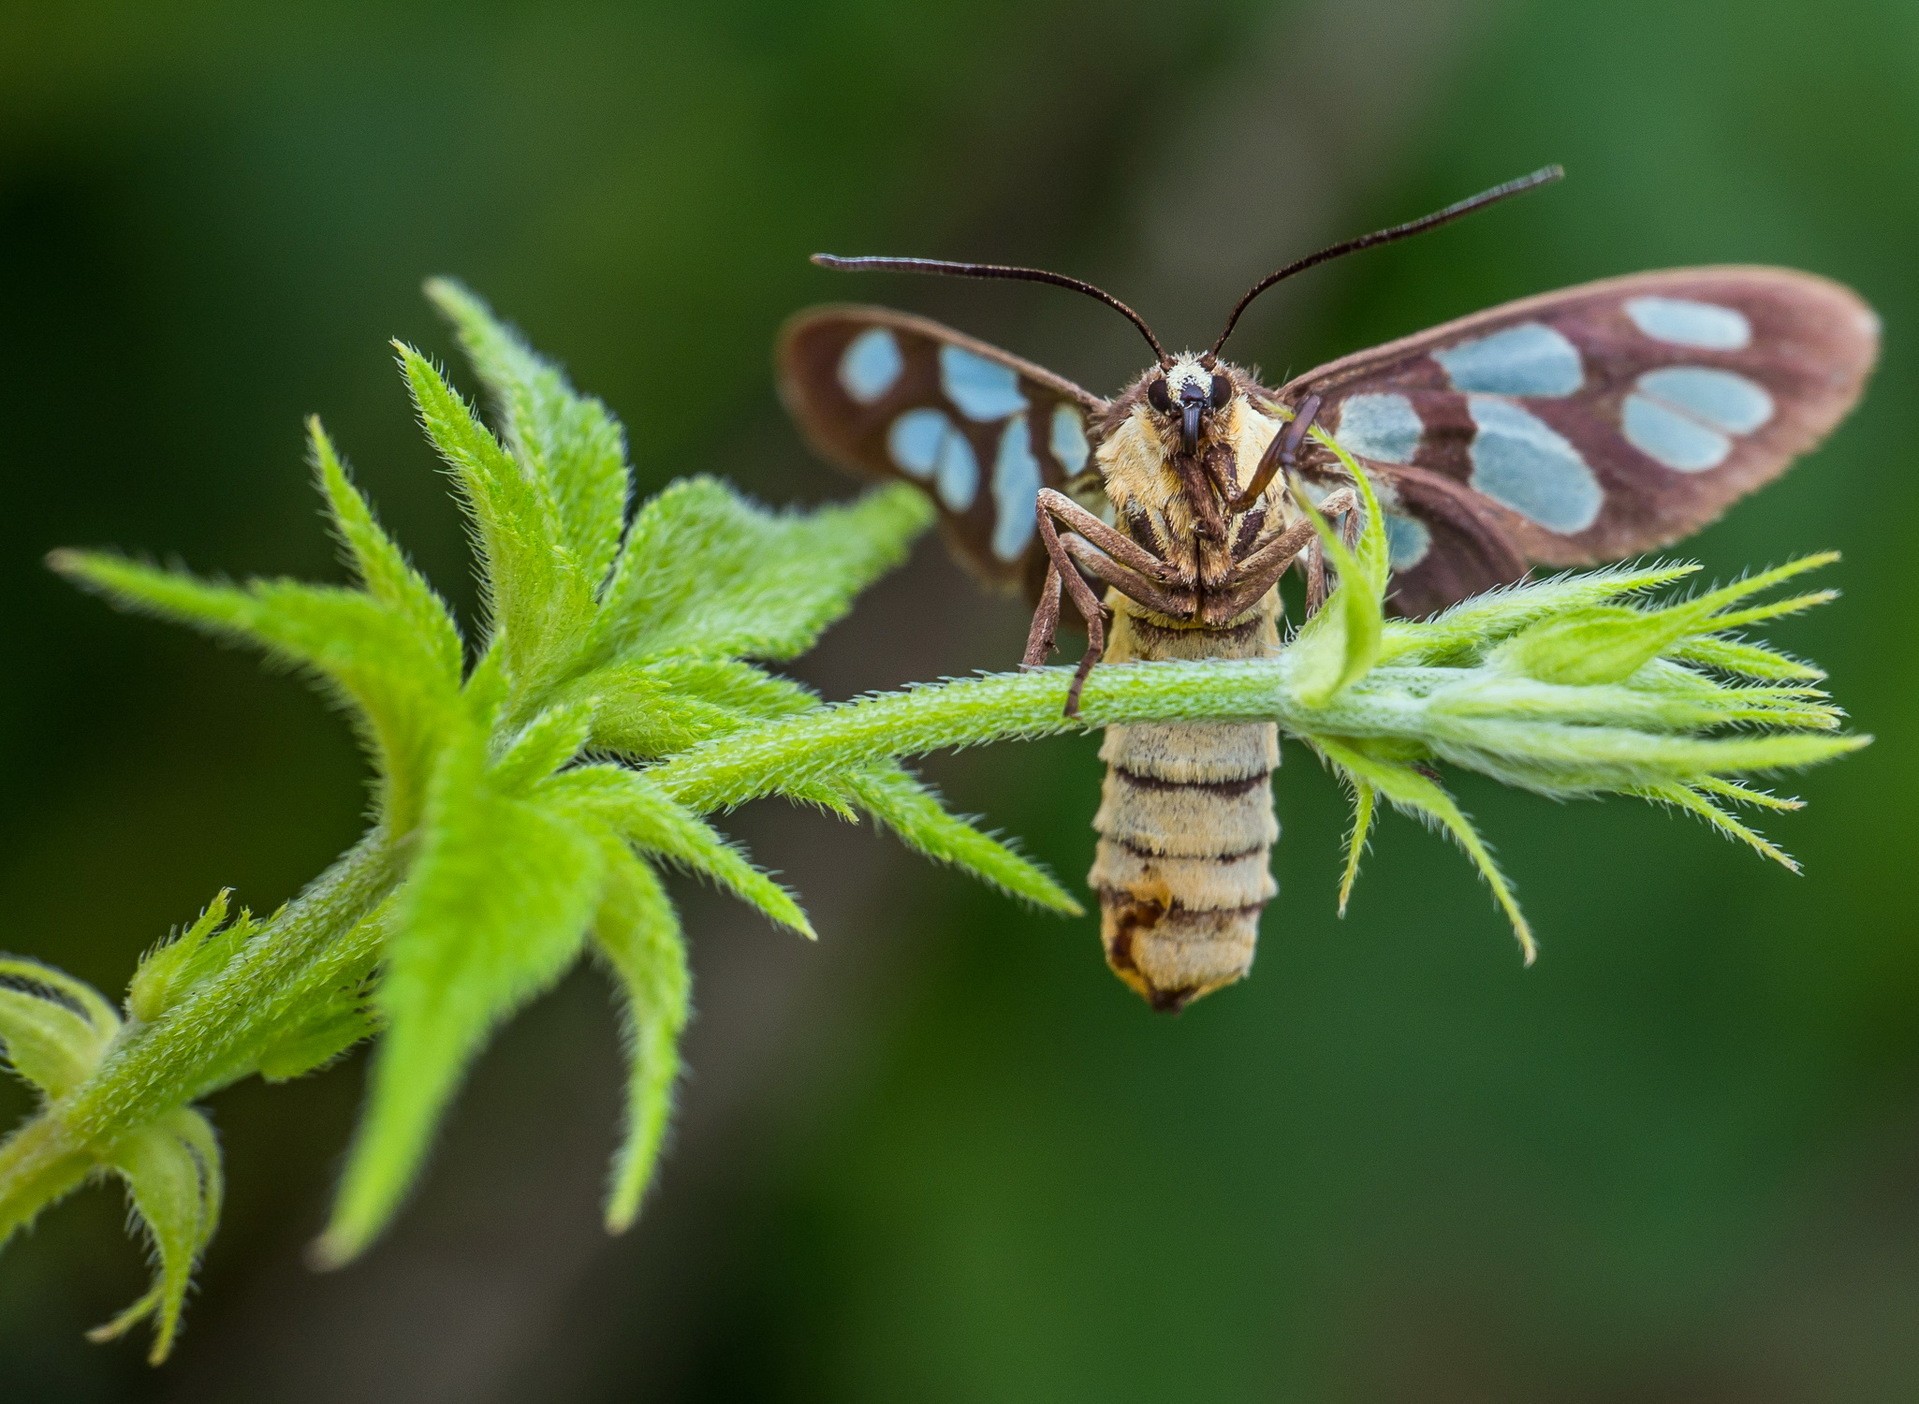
(941, 268)
(1544, 176)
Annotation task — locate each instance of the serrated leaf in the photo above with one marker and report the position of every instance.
(494, 911)
(539, 597)
(53, 1028)
(569, 440)
(912, 810)
(366, 653)
(637, 933)
(172, 1172)
(634, 808)
(378, 560)
(706, 572)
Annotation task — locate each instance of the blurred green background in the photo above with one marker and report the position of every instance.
(943, 1155)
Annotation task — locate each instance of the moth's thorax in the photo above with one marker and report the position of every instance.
(1137, 452)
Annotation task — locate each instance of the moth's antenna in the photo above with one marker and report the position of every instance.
(1543, 176)
(944, 269)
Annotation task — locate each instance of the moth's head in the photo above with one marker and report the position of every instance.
(1187, 395)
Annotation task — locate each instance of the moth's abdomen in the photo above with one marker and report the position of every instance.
(1186, 829)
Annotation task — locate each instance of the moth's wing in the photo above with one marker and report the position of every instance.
(888, 395)
(1614, 417)
(1445, 542)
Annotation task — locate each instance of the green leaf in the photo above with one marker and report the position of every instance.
(316, 1045)
(494, 911)
(1364, 805)
(1337, 645)
(378, 561)
(394, 680)
(172, 1173)
(1413, 793)
(543, 745)
(1692, 801)
(637, 933)
(54, 1029)
(649, 710)
(171, 970)
(539, 596)
(633, 807)
(706, 572)
(570, 441)
(912, 810)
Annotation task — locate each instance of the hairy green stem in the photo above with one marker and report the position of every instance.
(207, 1040)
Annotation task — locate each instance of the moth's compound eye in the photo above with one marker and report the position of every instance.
(1158, 396)
(1222, 391)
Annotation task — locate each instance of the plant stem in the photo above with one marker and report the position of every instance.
(208, 1039)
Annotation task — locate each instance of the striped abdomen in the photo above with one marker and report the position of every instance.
(1185, 824)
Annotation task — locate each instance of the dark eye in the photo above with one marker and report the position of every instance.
(1157, 396)
(1222, 391)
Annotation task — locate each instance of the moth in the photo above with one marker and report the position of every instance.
(1564, 429)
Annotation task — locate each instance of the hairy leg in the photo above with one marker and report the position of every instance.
(1115, 543)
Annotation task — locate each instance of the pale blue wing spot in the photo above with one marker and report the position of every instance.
(1521, 462)
(979, 388)
(870, 365)
(1529, 359)
(957, 473)
(1682, 322)
(1015, 489)
(1385, 428)
(1665, 435)
(1720, 398)
(1068, 440)
(1407, 541)
(914, 441)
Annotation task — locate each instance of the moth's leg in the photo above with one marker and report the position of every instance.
(1114, 543)
(1281, 453)
(1126, 580)
(1316, 590)
(1315, 558)
(1255, 575)
(1263, 566)
(1060, 566)
(1039, 638)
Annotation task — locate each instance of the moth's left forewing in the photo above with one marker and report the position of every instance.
(1615, 417)
(888, 395)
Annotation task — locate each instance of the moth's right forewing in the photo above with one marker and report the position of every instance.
(888, 395)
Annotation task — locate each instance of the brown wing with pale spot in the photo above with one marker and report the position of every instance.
(1602, 420)
(888, 395)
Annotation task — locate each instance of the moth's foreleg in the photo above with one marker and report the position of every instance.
(1281, 455)
(1113, 542)
(1060, 567)
(1126, 580)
